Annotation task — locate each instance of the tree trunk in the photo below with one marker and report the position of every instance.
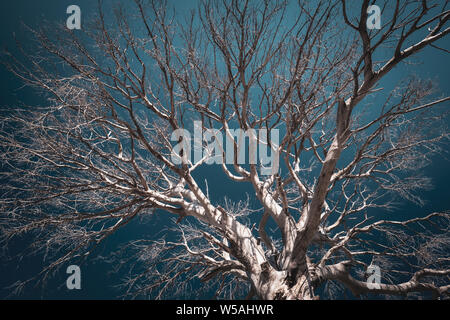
(271, 284)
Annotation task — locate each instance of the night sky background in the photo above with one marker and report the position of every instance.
(97, 280)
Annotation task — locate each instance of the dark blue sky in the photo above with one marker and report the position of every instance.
(96, 282)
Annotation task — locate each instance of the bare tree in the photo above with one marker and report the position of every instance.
(99, 154)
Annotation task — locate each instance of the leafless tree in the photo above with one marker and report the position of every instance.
(98, 154)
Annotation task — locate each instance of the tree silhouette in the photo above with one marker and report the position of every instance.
(99, 153)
